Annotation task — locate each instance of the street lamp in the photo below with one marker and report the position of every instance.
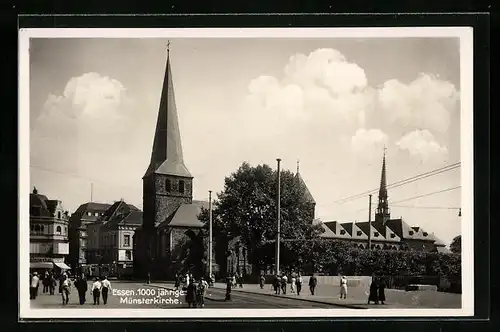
(210, 234)
(278, 218)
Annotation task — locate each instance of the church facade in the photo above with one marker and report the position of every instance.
(385, 232)
(171, 235)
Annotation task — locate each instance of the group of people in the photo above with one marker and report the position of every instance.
(280, 283)
(377, 291)
(195, 292)
(49, 282)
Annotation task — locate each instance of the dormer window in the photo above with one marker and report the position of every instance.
(426, 234)
(89, 214)
(393, 236)
(181, 186)
(376, 234)
(168, 185)
(411, 232)
(342, 232)
(96, 214)
(359, 233)
(58, 230)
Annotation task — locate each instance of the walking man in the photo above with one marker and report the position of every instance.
(284, 282)
(106, 287)
(298, 283)
(96, 291)
(65, 289)
(313, 282)
(35, 282)
(262, 281)
(82, 287)
(343, 287)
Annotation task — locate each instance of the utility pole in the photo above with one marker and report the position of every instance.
(210, 234)
(278, 204)
(370, 222)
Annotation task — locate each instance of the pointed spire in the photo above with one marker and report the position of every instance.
(383, 212)
(167, 157)
(307, 194)
(298, 164)
(35, 191)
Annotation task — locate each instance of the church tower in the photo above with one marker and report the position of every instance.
(167, 183)
(383, 213)
(310, 202)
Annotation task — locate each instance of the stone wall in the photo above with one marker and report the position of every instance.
(352, 281)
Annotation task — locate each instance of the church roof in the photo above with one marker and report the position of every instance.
(186, 216)
(167, 157)
(307, 194)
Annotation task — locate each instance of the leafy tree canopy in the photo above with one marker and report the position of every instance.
(456, 245)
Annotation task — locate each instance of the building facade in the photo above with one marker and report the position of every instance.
(383, 232)
(110, 240)
(171, 226)
(85, 214)
(49, 244)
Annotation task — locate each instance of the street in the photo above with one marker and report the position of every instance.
(139, 295)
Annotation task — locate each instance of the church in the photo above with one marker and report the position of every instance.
(171, 237)
(385, 232)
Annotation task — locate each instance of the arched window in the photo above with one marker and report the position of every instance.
(59, 215)
(58, 230)
(128, 255)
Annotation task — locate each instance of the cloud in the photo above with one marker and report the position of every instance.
(368, 142)
(425, 103)
(422, 144)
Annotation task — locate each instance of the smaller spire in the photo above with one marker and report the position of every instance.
(298, 165)
(168, 47)
(35, 191)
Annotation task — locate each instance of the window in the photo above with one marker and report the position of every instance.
(37, 228)
(42, 228)
(32, 228)
(342, 232)
(59, 215)
(89, 214)
(128, 255)
(411, 232)
(168, 185)
(393, 236)
(58, 230)
(376, 234)
(425, 233)
(96, 214)
(359, 233)
(181, 186)
(126, 240)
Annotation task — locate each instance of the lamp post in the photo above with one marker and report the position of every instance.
(278, 198)
(210, 234)
(370, 222)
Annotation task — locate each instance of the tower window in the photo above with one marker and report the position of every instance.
(58, 230)
(181, 186)
(425, 233)
(59, 215)
(376, 234)
(359, 233)
(168, 185)
(411, 232)
(342, 232)
(393, 236)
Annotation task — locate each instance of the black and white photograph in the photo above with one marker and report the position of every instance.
(225, 173)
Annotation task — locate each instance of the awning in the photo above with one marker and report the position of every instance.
(41, 265)
(62, 266)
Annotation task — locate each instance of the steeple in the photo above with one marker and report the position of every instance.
(167, 157)
(383, 213)
(308, 196)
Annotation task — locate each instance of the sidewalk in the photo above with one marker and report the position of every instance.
(357, 297)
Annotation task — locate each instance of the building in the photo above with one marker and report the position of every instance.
(385, 233)
(110, 240)
(49, 245)
(171, 227)
(85, 214)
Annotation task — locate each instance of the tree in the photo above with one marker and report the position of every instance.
(247, 208)
(456, 245)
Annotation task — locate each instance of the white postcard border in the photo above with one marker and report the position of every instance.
(467, 221)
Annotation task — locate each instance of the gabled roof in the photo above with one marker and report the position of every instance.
(336, 230)
(404, 231)
(166, 156)
(131, 219)
(443, 250)
(186, 216)
(376, 235)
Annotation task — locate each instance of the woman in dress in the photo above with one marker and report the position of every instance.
(381, 290)
(191, 293)
(373, 297)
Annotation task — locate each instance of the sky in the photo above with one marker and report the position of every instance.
(332, 104)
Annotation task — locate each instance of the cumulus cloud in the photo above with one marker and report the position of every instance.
(422, 144)
(368, 141)
(426, 102)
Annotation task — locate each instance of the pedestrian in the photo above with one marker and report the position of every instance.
(277, 284)
(35, 282)
(313, 282)
(106, 287)
(298, 283)
(262, 281)
(343, 287)
(229, 285)
(240, 280)
(191, 294)
(149, 277)
(373, 297)
(292, 283)
(234, 280)
(177, 281)
(82, 287)
(200, 292)
(46, 282)
(53, 283)
(96, 291)
(284, 282)
(381, 290)
(65, 289)
(186, 284)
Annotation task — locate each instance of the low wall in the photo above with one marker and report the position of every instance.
(352, 281)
